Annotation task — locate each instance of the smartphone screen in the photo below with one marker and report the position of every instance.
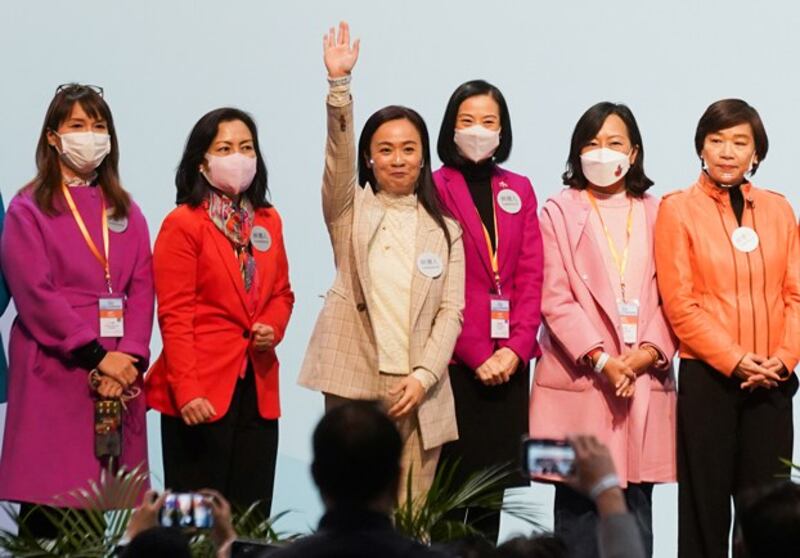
(186, 510)
(543, 457)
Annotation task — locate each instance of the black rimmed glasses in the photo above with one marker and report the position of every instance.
(74, 89)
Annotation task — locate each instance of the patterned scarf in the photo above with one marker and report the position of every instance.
(236, 223)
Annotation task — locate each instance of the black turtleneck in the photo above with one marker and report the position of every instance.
(737, 202)
(479, 181)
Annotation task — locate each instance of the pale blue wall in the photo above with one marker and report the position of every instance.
(165, 63)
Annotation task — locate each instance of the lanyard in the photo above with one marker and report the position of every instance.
(490, 248)
(102, 258)
(621, 263)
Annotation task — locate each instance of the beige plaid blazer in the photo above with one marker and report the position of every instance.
(342, 357)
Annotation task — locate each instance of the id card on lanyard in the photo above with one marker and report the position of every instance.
(499, 307)
(110, 307)
(628, 310)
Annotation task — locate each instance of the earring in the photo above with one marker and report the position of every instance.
(371, 162)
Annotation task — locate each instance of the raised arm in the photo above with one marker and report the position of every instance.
(339, 179)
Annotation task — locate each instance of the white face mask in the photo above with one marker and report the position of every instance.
(231, 174)
(477, 143)
(604, 167)
(84, 151)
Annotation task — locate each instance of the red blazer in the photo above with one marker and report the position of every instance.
(205, 322)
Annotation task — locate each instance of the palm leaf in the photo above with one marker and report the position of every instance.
(428, 519)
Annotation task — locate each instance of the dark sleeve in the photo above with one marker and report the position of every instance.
(89, 355)
(619, 537)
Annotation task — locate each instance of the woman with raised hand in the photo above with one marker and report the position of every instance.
(728, 263)
(76, 255)
(390, 321)
(224, 301)
(496, 208)
(606, 365)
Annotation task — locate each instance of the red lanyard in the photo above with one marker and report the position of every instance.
(102, 258)
(490, 248)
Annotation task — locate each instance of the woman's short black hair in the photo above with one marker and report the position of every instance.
(192, 185)
(427, 195)
(446, 146)
(636, 181)
(728, 113)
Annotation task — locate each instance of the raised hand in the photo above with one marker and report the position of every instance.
(340, 57)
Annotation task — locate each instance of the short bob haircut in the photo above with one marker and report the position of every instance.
(426, 191)
(192, 186)
(728, 113)
(46, 186)
(446, 146)
(636, 181)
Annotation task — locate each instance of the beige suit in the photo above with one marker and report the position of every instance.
(341, 359)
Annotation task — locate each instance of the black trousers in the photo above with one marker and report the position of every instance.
(575, 518)
(492, 421)
(235, 455)
(729, 440)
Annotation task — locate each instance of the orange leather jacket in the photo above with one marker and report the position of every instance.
(720, 301)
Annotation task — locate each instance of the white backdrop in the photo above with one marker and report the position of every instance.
(164, 64)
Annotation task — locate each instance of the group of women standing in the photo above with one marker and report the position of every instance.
(443, 280)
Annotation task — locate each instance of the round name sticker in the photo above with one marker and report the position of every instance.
(509, 201)
(430, 264)
(745, 239)
(260, 239)
(117, 225)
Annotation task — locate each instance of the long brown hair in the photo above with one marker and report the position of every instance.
(47, 183)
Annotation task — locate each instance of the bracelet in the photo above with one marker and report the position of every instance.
(653, 353)
(606, 483)
(602, 360)
(340, 81)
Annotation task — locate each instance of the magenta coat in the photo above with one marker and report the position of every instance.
(579, 313)
(48, 445)
(519, 260)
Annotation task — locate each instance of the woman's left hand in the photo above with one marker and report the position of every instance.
(640, 360)
(508, 360)
(411, 394)
(263, 337)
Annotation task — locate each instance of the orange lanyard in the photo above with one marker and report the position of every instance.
(621, 263)
(102, 258)
(490, 248)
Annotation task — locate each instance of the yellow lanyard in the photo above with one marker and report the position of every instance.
(102, 258)
(621, 263)
(490, 248)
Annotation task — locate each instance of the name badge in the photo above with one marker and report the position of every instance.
(500, 318)
(117, 225)
(509, 201)
(629, 316)
(260, 239)
(745, 239)
(112, 316)
(430, 264)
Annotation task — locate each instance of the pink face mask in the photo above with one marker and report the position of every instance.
(231, 174)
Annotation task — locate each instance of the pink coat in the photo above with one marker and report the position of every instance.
(519, 260)
(579, 313)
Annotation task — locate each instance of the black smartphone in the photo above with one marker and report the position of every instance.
(543, 457)
(186, 510)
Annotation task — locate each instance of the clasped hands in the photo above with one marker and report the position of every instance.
(498, 368)
(756, 371)
(622, 371)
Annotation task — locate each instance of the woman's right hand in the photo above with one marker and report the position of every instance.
(621, 376)
(197, 411)
(120, 367)
(339, 56)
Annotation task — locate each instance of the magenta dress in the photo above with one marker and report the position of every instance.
(48, 445)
